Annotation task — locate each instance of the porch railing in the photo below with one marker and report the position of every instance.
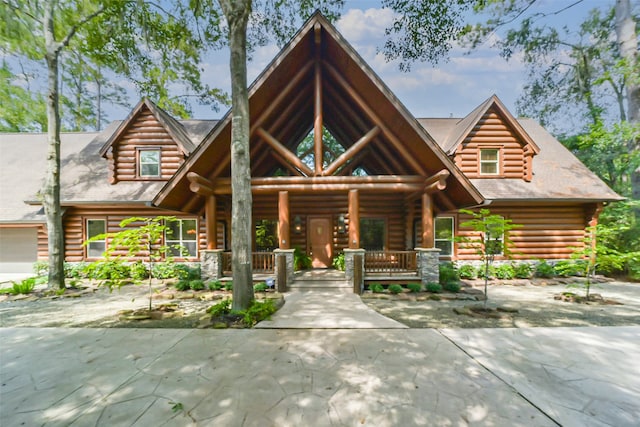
(388, 262)
(261, 262)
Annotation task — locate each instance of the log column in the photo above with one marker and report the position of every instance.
(283, 220)
(427, 221)
(211, 222)
(354, 219)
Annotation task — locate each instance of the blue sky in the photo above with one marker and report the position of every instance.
(451, 88)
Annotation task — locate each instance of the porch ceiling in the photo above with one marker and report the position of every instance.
(356, 107)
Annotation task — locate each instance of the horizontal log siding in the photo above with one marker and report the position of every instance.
(144, 132)
(74, 232)
(492, 132)
(550, 232)
(391, 208)
(43, 247)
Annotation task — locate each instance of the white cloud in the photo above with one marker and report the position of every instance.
(364, 25)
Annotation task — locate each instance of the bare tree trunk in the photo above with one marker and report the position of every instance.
(51, 189)
(628, 43)
(237, 14)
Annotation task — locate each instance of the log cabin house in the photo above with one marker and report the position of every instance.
(338, 165)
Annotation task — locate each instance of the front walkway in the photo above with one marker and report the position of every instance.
(382, 378)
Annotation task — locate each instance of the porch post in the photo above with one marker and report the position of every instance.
(317, 107)
(354, 219)
(211, 221)
(352, 272)
(427, 221)
(283, 220)
(283, 278)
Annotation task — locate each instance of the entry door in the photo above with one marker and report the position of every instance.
(320, 243)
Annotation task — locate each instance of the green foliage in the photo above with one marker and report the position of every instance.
(395, 289)
(257, 312)
(414, 287)
(220, 309)
(522, 270)
(338, 262)
(376, 288)
(196, 284)
(138, 271)
(228, 286)
(183, 285)
(567, 268)
(301, 260)
(448, 272)
(41, 268)
(453, 287)
(214, 285)
(544, 269)
(467, 271)
(434, 288)
(75, 270)
(112, 272)
(260, 287)
(25, 286)
(504, 271)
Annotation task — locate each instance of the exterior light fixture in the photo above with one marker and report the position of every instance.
(297, 225)
(341, 226)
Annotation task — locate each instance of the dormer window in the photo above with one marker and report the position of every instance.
(489, 161)
(149, 163)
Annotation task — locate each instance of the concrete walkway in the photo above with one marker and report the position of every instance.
(327, 310)
(336, 377)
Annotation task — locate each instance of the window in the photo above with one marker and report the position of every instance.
(443, 233)
(489, 162)
(96, 227)
(182, 238)
(266, 235)
(373, 234)
(149, 163)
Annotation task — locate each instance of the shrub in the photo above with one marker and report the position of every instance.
(452, 287)
(504, 271)
(74, 270)
(196, 285)
(395, 289)
(228, 286)
(338, 262)
(434, 288)
(165, 270)
(41, 268)
(570, 268)
(113, 271)
(260, 287)
(414, 287)
(258, 311)
(25, 286)
(214, 285)
(544, 269)
(522, 270)
(220, 309)
(448, 272)
(480, 271)
(301, 261)
(138, 271)
(467, 271)
(183, 285)
(376, 288)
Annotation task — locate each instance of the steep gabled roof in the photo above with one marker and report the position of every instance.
(466, 125)
(171, 125)
(319, 63)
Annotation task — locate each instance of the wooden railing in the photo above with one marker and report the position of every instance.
(389, 262)
(261, 262)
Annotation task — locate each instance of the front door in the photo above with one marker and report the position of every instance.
(320, 244)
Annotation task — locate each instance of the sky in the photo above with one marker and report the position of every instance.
(452, 88)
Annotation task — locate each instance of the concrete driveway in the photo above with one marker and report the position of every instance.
(312, 377)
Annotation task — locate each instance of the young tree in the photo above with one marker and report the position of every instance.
(490, 239)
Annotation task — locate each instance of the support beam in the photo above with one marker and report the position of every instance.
(211, 222)
(200, 185)
(427, 221)
(352, 151)
(283, 220)
(283, 151)
(354, 219)
(317, 106)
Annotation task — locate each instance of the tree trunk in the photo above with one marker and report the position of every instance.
(628, 44)
(237, 14)
(51, 189)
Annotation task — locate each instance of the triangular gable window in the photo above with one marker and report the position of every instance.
(331, 149)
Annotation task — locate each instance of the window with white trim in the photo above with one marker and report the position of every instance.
(94, 228)
(182, 238)
(489, 161)
(443, 235)
(149, 163)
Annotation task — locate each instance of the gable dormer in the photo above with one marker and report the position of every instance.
(490, 143)
(149, 145)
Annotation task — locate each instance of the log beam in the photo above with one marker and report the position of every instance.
(352, 151)
(317, 106)
(200, 185)
(283, 151)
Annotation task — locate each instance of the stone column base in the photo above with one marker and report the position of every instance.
(211, 264)
(288, 254)
(349, 266)
(428, 265)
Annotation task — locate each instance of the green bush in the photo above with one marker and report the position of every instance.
(504, 271)
(480, 272)
(448, 272)
(544, 269)
(138, 271)
(112, 270)
(467, 272)
(220, 309)
(258, 311)
(165, 270)
(183, 285)
(25, 286)
(301, 261)
(75, 270)
(566, 268)
(214, 285)
(522, 270)
(228, 286)
(452, 287)
(41, 268)
(196, 285)
(414, 287)
(260, 287)
(376, 288)
(395, 289)
(338, 262)
(434, 288)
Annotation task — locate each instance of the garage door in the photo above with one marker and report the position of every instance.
(18, 249)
